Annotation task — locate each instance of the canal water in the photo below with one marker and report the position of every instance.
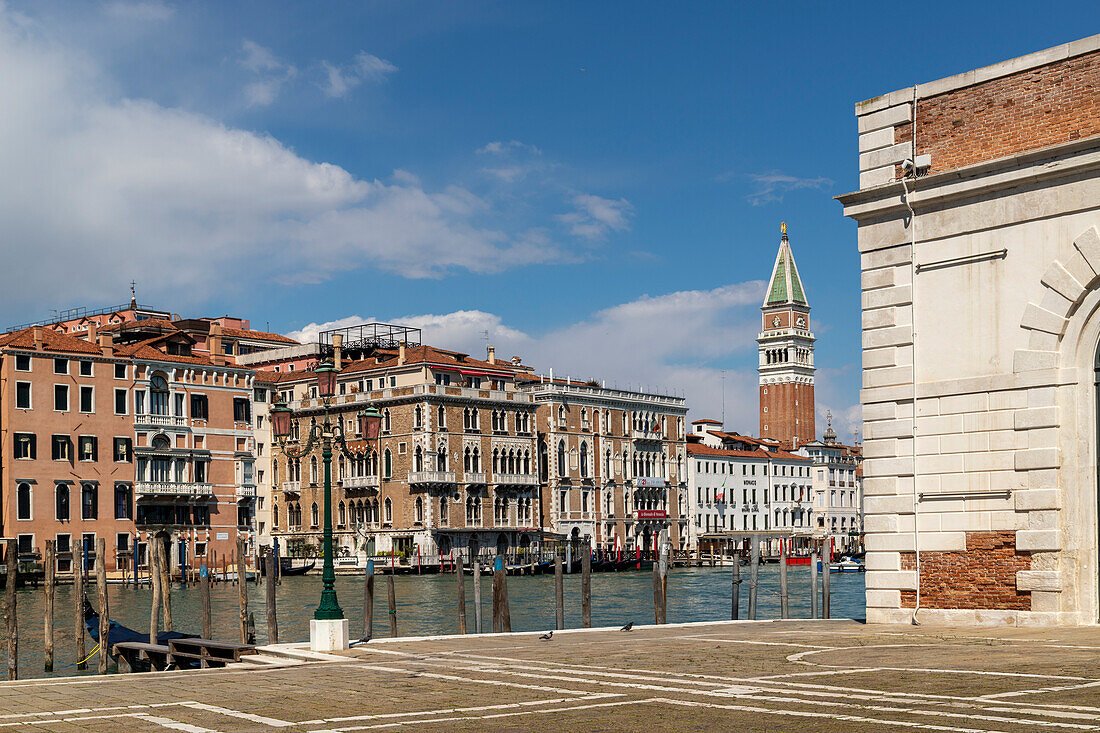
(428, 605)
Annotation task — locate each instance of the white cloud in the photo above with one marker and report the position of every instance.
(771, 187)
(145, 10)
(830, 398)
(594, 217)
(341, 79)
(499, 147)
(673, 343)
(514, 160)
(270, 72)
(98, 189)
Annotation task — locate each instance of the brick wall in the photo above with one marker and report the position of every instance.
(790, 412)
(1047, 105)
(982, 577)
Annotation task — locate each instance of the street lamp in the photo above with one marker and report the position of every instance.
(328, 630)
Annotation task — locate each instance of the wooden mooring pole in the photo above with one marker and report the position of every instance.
(272, 620)
(204, 592)
(783, 608)
(51, 569)
(154, 584)
(498, 595)
(559, 594)
(104, 611)
(461, 578)
(754, 576)
(391, 594)
(165, 582)
(663, 565)
(586, 589)
(477, 596)
(813, 585)
(656, 590)
(78, 602)
(826, 558)
(242, 590)
(368, 601)
(9, 609)
(735, 595)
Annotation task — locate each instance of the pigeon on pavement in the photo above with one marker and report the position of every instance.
(547, 636)
(628, 627)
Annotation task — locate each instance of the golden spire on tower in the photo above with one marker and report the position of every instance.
(783, 227)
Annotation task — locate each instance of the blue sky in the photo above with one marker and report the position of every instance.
(598, 186)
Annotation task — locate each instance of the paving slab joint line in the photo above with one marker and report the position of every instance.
(557, 632)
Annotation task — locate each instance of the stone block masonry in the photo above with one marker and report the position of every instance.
(981, 327)
(982, 576)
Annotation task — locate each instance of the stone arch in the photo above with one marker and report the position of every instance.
(1056, 419)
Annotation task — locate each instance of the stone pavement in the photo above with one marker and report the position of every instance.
(745, 676)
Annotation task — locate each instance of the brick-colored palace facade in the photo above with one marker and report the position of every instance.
(127, 425)
(478, 454)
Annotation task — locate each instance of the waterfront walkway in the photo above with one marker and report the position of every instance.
(796, 675)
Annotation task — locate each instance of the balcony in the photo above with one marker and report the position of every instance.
(173, 488)
(360, 482)
(163, 421)
(474, 477)
(292, 487)
(246, 491)
(646, 435)
(516, 479)
(431, 477)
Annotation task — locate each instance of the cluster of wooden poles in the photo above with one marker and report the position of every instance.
(754, 575)
(160, 581)
(501, 614)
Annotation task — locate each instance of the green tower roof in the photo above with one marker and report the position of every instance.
(785, 286)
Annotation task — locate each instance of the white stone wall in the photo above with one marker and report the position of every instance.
(978, 375)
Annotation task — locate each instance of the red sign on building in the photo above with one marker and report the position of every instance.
(652, 514)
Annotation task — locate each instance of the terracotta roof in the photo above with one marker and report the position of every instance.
(706, 420)
(271, 377)
(701, 449)
(139, 325)
(259, 335)
(146, 350)
(426, 355)
(745, 438)
(51, 341)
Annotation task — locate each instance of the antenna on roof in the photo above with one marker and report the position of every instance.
(133, 295)
(723, 399)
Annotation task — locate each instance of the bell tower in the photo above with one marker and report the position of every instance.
(786, 355)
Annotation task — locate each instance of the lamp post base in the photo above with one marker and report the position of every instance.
(328, 635)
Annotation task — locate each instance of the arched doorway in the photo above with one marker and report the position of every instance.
(502, 544)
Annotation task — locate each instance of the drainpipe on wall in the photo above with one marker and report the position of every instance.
(913, 306)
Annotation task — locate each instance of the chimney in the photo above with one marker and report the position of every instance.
(214, 344)
(93, 332)
(37, 334)
(492, 355)
(107, 344)
(338, 351)
(401, 353)
(516, 361)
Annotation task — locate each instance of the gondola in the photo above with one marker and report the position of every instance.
(289, 571)
(118, 634)
(286, 571)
